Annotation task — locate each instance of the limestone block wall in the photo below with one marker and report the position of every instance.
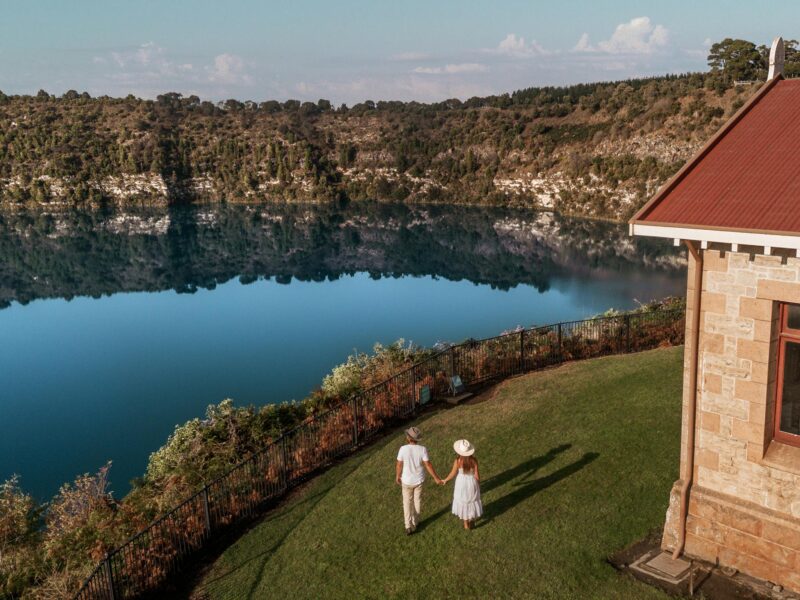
(744, 507)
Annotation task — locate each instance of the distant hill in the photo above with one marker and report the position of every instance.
(592, 149)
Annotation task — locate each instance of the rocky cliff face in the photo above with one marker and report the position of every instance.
(596, 150)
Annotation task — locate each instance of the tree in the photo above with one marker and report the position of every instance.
(291, 105)
(737, 59)
(308, 109)
(233, 105)
(170, 98)
(791, 65)
(347, 154)
(270, 106)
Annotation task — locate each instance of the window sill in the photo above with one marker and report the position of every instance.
(783, 456)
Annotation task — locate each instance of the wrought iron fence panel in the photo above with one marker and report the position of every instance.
(476, 361)
(268, 465)
(96, 586)
(434, 372)
(541, 347)
(650, 330)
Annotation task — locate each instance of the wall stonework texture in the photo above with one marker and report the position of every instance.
(744, 505)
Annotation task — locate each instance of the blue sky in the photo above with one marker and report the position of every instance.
(352, 50)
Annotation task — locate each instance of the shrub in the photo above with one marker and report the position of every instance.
(79, 521)
(20, 556)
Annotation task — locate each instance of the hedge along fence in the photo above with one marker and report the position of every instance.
(148, 559)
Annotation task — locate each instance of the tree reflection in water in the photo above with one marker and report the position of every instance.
(68, 254)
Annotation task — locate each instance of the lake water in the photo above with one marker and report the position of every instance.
(116, 327)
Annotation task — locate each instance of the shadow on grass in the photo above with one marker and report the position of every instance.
(523, 469)
(525, 487)
(295, 514)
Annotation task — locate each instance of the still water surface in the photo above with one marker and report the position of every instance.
(118, 327)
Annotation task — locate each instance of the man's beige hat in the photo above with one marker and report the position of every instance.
(414, 433)
(464, 448)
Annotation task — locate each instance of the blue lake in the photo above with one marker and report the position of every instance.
(117, 327)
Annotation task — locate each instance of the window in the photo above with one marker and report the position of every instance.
(787, 407)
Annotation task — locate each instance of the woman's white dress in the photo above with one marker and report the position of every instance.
(467, 497)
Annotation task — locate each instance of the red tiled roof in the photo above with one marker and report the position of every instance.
(747, 177)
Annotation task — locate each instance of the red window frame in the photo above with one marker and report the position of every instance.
(786, 334)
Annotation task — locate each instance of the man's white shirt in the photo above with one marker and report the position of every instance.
(412, 456)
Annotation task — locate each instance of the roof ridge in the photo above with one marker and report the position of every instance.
(707, 147)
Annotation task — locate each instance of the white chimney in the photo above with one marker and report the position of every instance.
(776, 58)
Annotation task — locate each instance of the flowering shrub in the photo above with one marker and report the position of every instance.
(362, 371)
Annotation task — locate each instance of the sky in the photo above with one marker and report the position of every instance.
(353, 50)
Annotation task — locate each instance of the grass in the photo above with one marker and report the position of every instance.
(576, 462)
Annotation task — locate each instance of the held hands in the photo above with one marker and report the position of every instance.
(441, 481)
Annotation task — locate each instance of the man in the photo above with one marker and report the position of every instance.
(410, 475)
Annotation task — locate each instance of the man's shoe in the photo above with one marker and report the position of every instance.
(409, 531)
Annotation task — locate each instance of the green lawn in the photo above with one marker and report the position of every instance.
(577, 462)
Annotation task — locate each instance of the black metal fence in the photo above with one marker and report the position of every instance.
(152, 556)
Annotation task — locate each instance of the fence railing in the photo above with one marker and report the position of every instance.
(152, 556)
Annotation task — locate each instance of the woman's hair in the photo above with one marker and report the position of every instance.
(468, 463)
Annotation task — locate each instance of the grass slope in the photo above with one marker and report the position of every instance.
(577, 462)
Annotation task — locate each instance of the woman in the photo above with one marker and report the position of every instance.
(467, 493)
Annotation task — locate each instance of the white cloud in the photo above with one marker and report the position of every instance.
(637, 36)
(146, 55)
(516, 47)
(453, 69)
(409, 56)
(150, 69)
(228, 69)
(149, 61)
(406, 87)
(583, 44)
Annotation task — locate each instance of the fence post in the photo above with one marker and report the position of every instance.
(355, 422)
(522, 351)
(112, 592)
(206, 510)
(285, 461)
(560, 345)
(414, 389)
(628, 332)
(452, 361)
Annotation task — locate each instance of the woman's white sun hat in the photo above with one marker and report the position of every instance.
(463, 448)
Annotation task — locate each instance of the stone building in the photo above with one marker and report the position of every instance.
(736, 206)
